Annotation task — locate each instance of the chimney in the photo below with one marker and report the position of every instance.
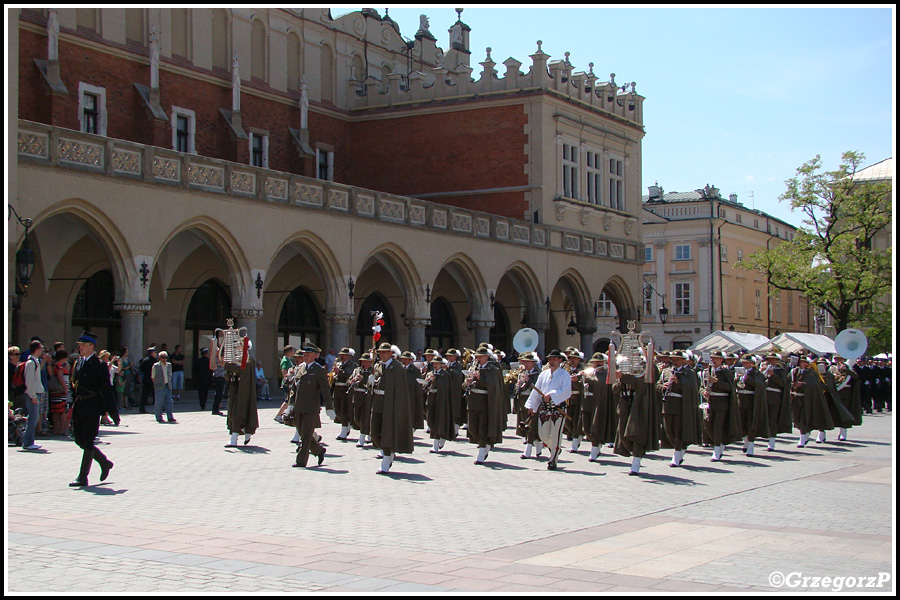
(655, 192)
(733, 198)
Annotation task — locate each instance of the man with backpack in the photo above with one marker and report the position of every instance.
(28, 374)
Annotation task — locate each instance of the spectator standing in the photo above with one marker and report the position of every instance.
(34, 391)
(145, 369)
(127, 373)
(161, 375)
(202, 376)
(59, 392)
(119, 383)
(262, 384)
(329, 360)
(177, 360)
(287, 363)
(219, 385)
(14, 354)
(112, 409)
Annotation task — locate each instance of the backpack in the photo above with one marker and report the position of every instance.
(18, 380)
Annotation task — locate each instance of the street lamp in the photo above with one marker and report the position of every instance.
(663, 311)
(24, 258)
(572, 326)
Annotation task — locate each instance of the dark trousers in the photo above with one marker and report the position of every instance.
(146, 392)
(85, 430)
(746, 419)
(203, 393)
(672, 428)
(865, 397)
(714, 426)
(219, 384)
(306, 426)
(478, 427)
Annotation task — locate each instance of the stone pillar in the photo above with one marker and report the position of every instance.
(541, 329)
(340, 332)
(132, 318)
(417, 334)
(587, 341)
(248, 317)
(482, 331)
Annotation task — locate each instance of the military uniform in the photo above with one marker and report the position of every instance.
(487, 407)
(680, 410)
(360, 395)
(638, 413)
(243, 416)
(391, 411)
(598, 409)
(722, 421)
(439, 408)
(778, 400)
(753, 405)
(340, 397)
(310, 390)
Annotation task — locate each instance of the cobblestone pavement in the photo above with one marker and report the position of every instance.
(181, 513)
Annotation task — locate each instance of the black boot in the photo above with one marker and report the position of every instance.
(86, 459)
(105, 464)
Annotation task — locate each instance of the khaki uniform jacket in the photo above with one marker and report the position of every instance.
(310, 389)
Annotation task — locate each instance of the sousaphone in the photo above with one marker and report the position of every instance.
(525, 340)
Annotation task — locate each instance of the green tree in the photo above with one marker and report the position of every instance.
(831, 259)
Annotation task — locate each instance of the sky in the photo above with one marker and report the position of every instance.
(737, 98)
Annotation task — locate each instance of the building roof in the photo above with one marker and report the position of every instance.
(697, 196)
(882, 171)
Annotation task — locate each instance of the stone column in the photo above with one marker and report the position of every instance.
(248, 317)
(482, 331)
(340, 332)
(417, 333)
(132, 318)
(587, 341)
(541, 329)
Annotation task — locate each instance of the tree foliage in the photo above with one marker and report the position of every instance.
(831, 259)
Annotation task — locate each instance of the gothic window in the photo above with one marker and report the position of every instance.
(365, 321)
(440, 333)
(209, 307)
(259, 150)
(299, 318)
(94, 302)
(92, 108)
(184, 127)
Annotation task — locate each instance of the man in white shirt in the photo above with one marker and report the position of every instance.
(34, 389)
(546, 402)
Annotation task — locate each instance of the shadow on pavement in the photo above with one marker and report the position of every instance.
(322, 469)
(703, 469)
(495, 466)
(100, 490)
(408, 459)
(658, 479)
(411, 477)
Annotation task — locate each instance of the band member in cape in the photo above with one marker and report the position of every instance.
(721, 424)
(92, 394)
(752, 402)
(360, 394)
(809, 408)
(682, 419)
(573, 428)
(392, 431)
(340, 373)
(638, 412)
(525, 424)
(487, 402)
(840, 415)
(416, 394)
(455, 370)
(778, 398)
(310, 392)
(597, 407)
(242, 412)
(439, 404)
(847, 380)
(546, 402)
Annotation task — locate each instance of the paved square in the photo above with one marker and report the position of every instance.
(181, 513)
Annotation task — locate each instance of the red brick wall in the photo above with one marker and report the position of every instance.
(474, 149)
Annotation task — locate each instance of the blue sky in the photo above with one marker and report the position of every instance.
(735, 97)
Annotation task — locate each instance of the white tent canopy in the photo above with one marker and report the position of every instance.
(729, 341)
(795, 342)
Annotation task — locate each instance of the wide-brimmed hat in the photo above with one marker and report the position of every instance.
(598, 357)
(748, 358)
(347, 351)
(438, 359)
(677, 354)
(366, 356)
(718, 354)
(556, 353)
(408, 355)
(309, 348)
(528, 356)
(773, 355)
(482, 351)
(452, 352)
(384, 347)
(429, 351)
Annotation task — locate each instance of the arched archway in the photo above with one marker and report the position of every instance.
(209, 307)
(93, 310)
(299, 320)
(364, 322)
(618, 293)
(500, 332)
(441, 333)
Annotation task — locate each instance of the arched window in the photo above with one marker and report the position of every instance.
(258, 49)
(499, 335)
(221, 41)
(181, 32)
(93, 309)
(299, 319)
(441, 333)
(326, 72)
(209, 308)
(294, 61)
(375, 302)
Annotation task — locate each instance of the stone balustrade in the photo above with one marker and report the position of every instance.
(64, 148)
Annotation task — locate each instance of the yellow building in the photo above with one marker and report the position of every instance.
(693, 242)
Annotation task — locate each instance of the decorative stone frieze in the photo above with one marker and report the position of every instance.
(572, 243)
(276, 189)
(521, 234)
(601, 248)
(617, 251)
(308, 194)
(204, 176)
(243, 183)
(539, 237)
(75, 151)
(365, 205)
(340, 317)
(417, 322)
(439, 219)
(462, 223)
(416, 214)
(132, 307)
(392, 210)
(33, 144)
(339, 200)
(247, 313)
(167, 169)
(588, 245)
(482, 227)
(502, 230)
(125, 161)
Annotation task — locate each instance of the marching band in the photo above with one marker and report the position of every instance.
(635, 400)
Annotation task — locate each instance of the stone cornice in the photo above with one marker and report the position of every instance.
(132, 307)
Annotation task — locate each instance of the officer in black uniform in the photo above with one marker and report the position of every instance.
(92, 394)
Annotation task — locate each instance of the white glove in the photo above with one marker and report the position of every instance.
(331, 414)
